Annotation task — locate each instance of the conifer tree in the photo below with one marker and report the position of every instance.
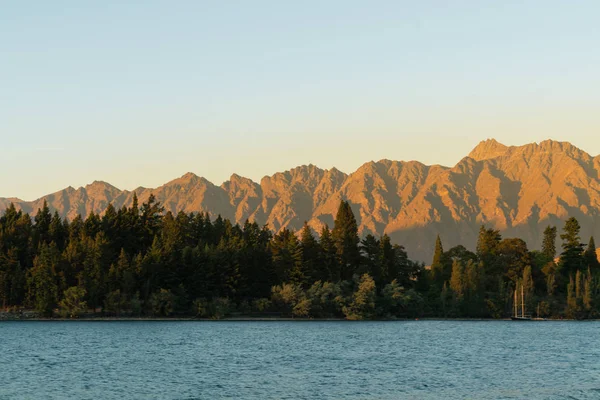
(388, 270)
(549, 243)
(487, 250)
(57, 232)
(311, 255)
(42, 221)
(42, 280)
(591, 258)
(297, 273)
(369, 248)
(345, 237)
(571, 259)
(330, 263)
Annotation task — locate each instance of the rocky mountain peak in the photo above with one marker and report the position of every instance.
(488, 149)
(517, 189)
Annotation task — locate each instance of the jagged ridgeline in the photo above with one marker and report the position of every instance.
(518, 190)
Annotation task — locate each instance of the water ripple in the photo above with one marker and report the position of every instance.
(299, 360)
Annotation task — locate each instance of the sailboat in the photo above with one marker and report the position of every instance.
(516, 316)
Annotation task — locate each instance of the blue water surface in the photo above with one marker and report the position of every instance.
(300, 360)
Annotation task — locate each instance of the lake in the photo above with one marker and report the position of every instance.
(300, 360)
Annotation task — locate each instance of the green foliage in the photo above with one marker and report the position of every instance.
(590, 258)
(217, 308)
(549, 243)
(326, 299)
(72, 304)
(141, 261)
(437, 265)
(287, 297)
(345, 239)
(571, 258)
(115, 302)
(162, 303)
(261, 305)
(42, 280)
(362, 305)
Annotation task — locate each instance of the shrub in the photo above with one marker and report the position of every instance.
(72, 304)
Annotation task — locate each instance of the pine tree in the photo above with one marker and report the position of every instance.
(297, 273)
(330, 264)
(42, 283)
(57, 232)
(345, 237)
(590, 258)
(513, 256)
(283, 261)
(311, 256)
(571, 259)
(549, 243)
(42, 221)
(487, 250)
(387, 261)
(369, 247)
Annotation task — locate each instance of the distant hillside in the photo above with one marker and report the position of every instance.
(517, 189)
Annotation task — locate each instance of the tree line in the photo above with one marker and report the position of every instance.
(141, 261)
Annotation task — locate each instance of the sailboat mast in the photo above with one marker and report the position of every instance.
(515, 302)
(522, 301)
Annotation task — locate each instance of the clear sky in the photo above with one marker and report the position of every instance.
(137, 93)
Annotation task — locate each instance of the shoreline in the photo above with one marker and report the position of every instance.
(266, 319)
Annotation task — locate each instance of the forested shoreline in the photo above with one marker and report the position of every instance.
(139, 261)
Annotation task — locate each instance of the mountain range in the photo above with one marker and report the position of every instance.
(516, 189)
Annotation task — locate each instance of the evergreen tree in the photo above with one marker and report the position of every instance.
(42, 280)
(57, 231)
(474, 290)
(513, 256)
(388, 266)
(590, 257)
(549, 243)
(345, 238)
(283, 259)
(370, 250)
(330, 263)
(297, 273)
(311, 256)
(487, 250)
(42, 221)
(571, 259)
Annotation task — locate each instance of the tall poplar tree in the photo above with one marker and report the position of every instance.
(437, 265)
(549, 243)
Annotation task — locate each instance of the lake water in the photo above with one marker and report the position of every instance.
(300, 360)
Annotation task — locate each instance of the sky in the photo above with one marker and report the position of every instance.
(138, 93)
